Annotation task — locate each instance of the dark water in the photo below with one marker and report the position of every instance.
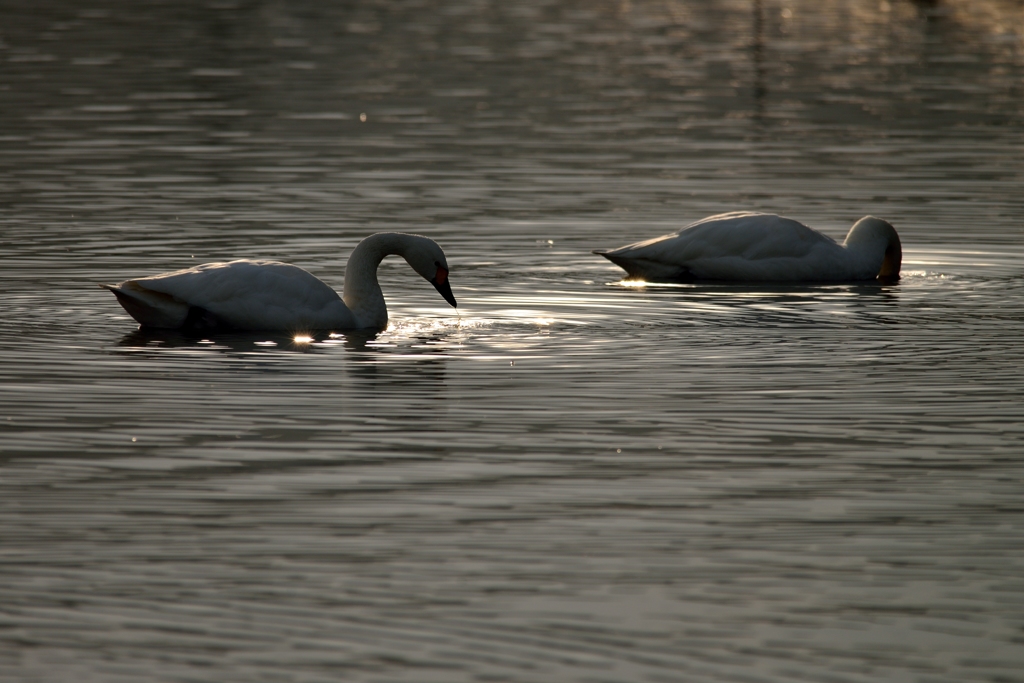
(572, 479)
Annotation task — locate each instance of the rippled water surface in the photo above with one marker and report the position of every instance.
(569, 479)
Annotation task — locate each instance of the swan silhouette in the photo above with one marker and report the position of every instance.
(760, 247)
(268, 295)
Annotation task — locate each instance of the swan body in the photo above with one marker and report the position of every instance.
(759, 247)
(268, 295)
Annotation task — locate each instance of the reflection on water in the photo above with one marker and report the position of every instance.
(248, 342)
(571, 478)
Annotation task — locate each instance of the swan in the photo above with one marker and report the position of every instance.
(759, 247)
(269, 295)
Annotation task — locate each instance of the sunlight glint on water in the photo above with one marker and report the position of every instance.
(571, 477)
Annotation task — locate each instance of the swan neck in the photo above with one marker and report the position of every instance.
(875, 246)
(362, 294)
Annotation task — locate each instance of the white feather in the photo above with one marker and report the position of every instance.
(752, 247)
(268, 295)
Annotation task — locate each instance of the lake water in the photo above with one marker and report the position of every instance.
(569, 479)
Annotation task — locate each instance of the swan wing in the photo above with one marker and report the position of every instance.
(244, 295)
(736, 246)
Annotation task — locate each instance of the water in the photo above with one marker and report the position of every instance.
(569, 479)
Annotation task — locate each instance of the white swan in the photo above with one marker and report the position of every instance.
(268, 295)
(759, 247)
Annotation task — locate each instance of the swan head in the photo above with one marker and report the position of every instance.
(427, 259)
(874, 235)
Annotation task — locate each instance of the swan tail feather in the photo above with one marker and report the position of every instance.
(149, 308)
(645, 269)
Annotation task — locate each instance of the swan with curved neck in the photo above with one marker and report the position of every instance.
(758, 247)
(269, 295)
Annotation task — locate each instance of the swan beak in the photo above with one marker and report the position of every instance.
(442, 285)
